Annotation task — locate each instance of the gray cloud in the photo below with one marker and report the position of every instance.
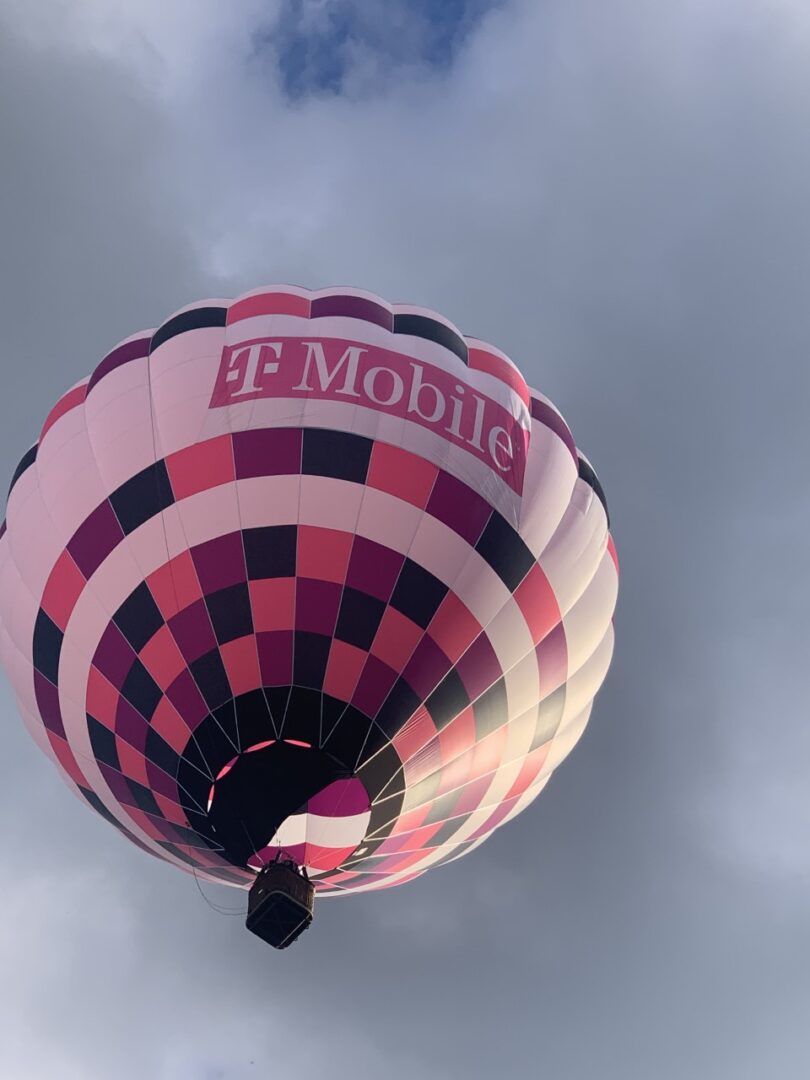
(617, 196)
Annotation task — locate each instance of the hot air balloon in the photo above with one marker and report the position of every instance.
(305, 593)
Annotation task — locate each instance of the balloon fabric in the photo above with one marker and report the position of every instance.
(306, 576)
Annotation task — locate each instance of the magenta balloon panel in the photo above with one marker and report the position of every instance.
(306, 572)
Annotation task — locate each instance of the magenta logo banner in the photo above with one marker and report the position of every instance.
(332, 369)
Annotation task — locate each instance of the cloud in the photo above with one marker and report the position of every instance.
(616, 195)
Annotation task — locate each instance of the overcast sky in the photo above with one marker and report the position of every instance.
(617, 193)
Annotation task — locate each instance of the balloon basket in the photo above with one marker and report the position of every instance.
(280, 904)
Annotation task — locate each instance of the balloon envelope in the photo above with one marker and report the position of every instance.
(310, 573)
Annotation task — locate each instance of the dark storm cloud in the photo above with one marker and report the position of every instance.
(618, 196)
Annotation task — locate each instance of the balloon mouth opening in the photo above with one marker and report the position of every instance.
(285, 798)
(223, 772)
(325, 832)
